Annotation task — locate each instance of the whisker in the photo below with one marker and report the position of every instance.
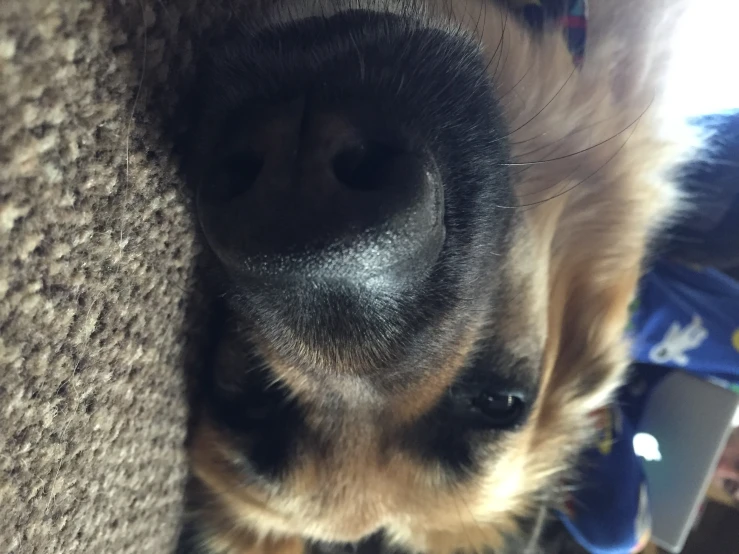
(518, 82)
(620, 148)
(566, 156)
(563, 179)
(569, 134)
(503, 49)
(477, 523)
(498, 47)
(126, 187)
(464, 527)
(537, 114)
(482, 14)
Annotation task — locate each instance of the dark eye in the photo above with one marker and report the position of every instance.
(499, 410)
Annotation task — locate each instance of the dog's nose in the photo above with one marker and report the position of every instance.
(303, 190)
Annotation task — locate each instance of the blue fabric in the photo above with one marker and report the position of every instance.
(609, 512)
(642, 380)
(683, 318)
(688, 319)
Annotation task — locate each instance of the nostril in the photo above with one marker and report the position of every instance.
(319, 195)
(364, 166)
(239, 172)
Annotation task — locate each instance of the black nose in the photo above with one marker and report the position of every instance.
(301, 190)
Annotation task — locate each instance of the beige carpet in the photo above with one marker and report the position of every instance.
(97, 253)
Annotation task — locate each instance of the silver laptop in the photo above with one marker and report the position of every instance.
(682, 434)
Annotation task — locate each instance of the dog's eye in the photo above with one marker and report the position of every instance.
(486, 409)
(499, 410)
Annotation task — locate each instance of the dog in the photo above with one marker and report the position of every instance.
(429, 224)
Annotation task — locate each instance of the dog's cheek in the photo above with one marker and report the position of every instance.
(210, 528)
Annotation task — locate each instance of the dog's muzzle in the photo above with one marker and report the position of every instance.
(345, 169)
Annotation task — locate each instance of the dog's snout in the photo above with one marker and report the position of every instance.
(304, 189)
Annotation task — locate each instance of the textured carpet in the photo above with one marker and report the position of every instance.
(97, 258)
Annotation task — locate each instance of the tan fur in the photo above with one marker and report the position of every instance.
(592, 168)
